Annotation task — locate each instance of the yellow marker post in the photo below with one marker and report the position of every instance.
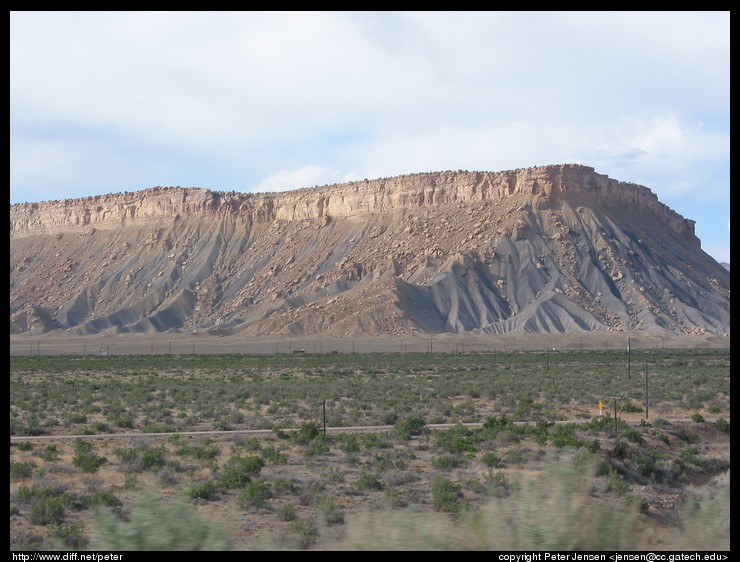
(601, 408)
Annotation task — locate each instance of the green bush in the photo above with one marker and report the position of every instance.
(723, 425)
(85, 459)
(491, 459)
(239, 471)
(155, 526)
(49, 453)
(153, 458)
(407, 428)
(307, 432)
(329, 511)
(46, 511)
(24, 445)
(633, 435)
(448, 462)
(372, 441)
(203, 491)
(286, 512)
(21, 470)
(349, 444)
(457, 439)
(255, 494)
(304, 532)
(698, 418)
(283, 486)
(564, 436)
(369, 481)
(447, 496)
(202, 451)
(273, 455)
(70, 536)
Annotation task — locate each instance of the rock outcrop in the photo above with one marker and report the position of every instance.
(546, 249)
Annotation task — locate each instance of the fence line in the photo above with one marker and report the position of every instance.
(161, 344)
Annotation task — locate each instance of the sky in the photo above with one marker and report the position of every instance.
(106, 102)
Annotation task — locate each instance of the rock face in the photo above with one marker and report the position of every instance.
(547, 249)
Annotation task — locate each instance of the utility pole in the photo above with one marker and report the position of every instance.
(324, 406)
(616, 429)
(647, 400)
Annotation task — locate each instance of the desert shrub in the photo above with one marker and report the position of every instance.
(493, 425)
(564, 436)
(46, 511)
(723, 425)
(318, 446)
(100, 498)
(254, 495)
(21, 470)
(234, 476)
(448, 462)
(75, 418)
(167, 477)
(304, 532)
(714, 409)
(252, 464)
(329, 511)
(516, 456)
(457, 439)
(24, 445)
(85, 459)
(368, 481)
(397, 477)
(283, 486)
(408, 427)
(630, 407)
(286, 512)
(100, 427)
(248, 443)
(333, 475)
(508, 437)
(615, 482)
(69, 536)
(633, 435)
(49, 453)
(202, 451)
(491, 459)
(393, 499)
(124, 420)
(307, 432)
(698, 418)
(273, 455)
(686, 436)
(447, 496)
(373, 441)
(158, 526)
(203, 491)
(644, 463)
(129, 459)
(349, 443)
(153, 458)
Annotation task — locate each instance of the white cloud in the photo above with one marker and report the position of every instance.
(306, 176)
(234, 100)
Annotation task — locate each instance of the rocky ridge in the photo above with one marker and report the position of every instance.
(547, 249)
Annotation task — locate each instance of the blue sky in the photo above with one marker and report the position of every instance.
(104, 102)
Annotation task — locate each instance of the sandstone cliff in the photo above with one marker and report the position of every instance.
(555, 248)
